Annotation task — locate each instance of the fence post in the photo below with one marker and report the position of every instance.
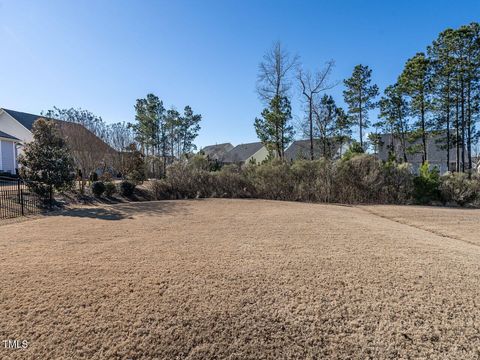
(20, 194)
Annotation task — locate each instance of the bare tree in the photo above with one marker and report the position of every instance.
(312, 84)
(274, 73)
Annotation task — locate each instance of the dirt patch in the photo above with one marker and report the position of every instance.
(241, 279)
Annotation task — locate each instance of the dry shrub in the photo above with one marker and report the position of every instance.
(460, 188)
(313, 180)
(231, 182)
(272, 180)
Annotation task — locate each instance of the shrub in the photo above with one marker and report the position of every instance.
(427, 185)
(106, 177)
(313, 180)
(359, 180)
(98, 188)
(136, 176)
(459, 188)
(232, 182)
(272, 180)
(110, 189)
(160, 189)
(93, 176)
(127, 188)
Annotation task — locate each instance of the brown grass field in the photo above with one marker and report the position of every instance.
(242, 279)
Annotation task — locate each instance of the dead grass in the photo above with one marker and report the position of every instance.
(242, 279)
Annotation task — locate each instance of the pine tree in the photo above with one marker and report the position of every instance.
(360, 97)
(273, 128)
(416, 82)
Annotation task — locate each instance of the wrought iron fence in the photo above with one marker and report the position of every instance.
(16, 199)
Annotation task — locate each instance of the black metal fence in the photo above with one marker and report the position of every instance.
(16, 199)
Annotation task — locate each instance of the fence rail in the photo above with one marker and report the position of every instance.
(17, 200)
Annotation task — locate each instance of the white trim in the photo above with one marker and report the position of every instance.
(6, 112)
(1, 162)
(14, 158)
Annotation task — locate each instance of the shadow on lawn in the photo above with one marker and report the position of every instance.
(125, 210)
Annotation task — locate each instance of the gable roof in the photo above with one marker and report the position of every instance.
(4, 135)
(218, 151)
(300, 149)
(242, 152)
(25, 119)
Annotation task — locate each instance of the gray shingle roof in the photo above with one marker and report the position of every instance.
(218, 151)
(25, 119)
(8, 136)
(300, 149)
(242, 152)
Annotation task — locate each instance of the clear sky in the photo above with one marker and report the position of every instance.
(102, 55)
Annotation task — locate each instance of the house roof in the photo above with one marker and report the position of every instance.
(218, 151)
(4, 135)
(242, 152)
(300, 149)
(436, 149)
(25, 119)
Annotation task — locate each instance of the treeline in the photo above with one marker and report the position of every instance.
(356, 178)
(435, 98)
(160, 135)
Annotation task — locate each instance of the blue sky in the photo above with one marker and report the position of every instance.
(102, 55)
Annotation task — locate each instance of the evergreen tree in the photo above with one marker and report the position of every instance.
(416, 82)
(394, 120)
(273, 128)
(46, 162)
(359, 96)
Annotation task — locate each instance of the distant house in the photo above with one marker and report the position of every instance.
(300, 149)
(16, 130)
(245, 153)
(217, 152)
(436, 152)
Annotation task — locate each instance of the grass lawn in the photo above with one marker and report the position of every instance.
(242, 279)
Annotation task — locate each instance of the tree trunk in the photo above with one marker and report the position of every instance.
(310, 120)
(463, 124)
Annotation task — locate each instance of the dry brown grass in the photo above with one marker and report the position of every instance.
(242, 279)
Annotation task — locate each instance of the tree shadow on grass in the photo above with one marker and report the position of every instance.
(124, 210)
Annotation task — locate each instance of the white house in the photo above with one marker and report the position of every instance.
(8, 153)
(15, 130)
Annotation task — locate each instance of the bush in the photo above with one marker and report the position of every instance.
(93, 176)
(110, 189)
(313, 180)
(98, 188)
(459, 188)
(136, 176)
(106, 177)
(231, 182)
(127, 188)
(160, 189)
(427, 185)
(272, 180)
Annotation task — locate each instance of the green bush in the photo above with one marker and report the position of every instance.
(110, 189)
(136, 176)
(127, 188)
(98, 188)
(460, 188)
(272, 180)
(426, 186)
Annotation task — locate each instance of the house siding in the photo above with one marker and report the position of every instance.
(7, 155)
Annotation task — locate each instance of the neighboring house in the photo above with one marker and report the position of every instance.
(436, 152)
(300, 149)
(217, 152)
(17, 127)
(8, 153)
(245, 153)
